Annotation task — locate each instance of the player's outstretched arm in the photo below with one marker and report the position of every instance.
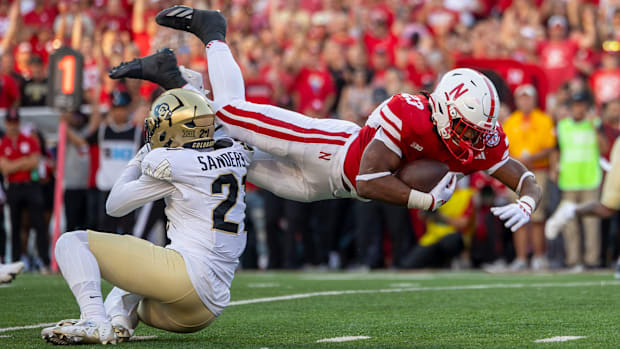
(516, 176)
(375, 181)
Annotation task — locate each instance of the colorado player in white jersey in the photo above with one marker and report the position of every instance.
(319, 159)
(185, 286)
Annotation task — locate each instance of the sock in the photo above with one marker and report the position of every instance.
(80, 269)
(121, 307)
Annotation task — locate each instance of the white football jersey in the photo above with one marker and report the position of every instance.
(206, 212)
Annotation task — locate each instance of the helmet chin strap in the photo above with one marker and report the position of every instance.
(468, 158)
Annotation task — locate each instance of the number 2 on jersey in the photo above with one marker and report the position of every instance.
(219, 213)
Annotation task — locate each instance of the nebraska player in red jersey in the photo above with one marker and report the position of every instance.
(307, 159)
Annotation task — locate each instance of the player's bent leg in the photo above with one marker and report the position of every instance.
(291, 183)
(316, 147)
(121, 307)
(159, 274)
(80, 269)
(186, 315)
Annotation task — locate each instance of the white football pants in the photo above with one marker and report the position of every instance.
(300, 158)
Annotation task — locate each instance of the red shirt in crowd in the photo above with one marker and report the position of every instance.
(259, 90)
(43, 18)
(605, 85)
(388, 44)
(313, 86)
(556, 58)
(24, 146)
(9, 91)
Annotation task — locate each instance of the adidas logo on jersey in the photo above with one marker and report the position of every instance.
(480, 156)
(416, 146)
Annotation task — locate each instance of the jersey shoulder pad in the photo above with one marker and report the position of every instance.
(406, 116)
(157, 164)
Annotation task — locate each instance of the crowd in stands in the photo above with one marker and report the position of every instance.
(554, 62)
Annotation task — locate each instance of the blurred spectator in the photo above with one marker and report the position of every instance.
(557, 54)
(77, 166)
(532, 140)
(605, 81)
(19, 159)
(34, 90)
(579, 178)
(118, 141)
(9, 86)
(314, 90)
(445, 231)
(356, 100)
(373, 219)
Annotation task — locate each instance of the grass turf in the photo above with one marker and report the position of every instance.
(397, 310)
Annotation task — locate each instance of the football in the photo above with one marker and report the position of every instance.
(423, 174)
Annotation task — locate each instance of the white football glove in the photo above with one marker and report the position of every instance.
(137, 160)
(517, 214)
(443, 191)
(559, 218)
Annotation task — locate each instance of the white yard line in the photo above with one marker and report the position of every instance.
(422, 289)
(342, 339)
(263, 284)
(27, 327)
(384, 290)
(141, 338)
(558, 339)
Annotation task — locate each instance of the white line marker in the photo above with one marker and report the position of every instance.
(27, 327)
(385, 290)
(263, 284)
(421, 289)
(369, 276)
(558, 339)
(5, 336)
(342, 339)
(141, 338)
(405, 284)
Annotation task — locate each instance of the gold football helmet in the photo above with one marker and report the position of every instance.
(180, 118)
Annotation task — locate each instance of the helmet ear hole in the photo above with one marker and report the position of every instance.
(162, 136)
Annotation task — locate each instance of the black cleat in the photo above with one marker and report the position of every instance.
(160, 68)
(205, 24)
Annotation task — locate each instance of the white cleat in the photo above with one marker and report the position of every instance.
(81, 332)
(122, 328)
(48, 332)
(9, 271)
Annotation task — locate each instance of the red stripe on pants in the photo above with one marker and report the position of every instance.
(276, 134)
(280, 123)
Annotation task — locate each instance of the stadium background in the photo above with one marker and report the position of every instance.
(334, 59)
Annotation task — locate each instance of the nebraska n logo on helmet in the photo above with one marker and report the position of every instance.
(465, 107)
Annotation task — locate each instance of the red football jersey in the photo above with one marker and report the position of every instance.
(403, 123)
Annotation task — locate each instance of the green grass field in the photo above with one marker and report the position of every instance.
(396, 310)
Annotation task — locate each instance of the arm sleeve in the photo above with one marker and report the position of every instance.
(133, 190)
